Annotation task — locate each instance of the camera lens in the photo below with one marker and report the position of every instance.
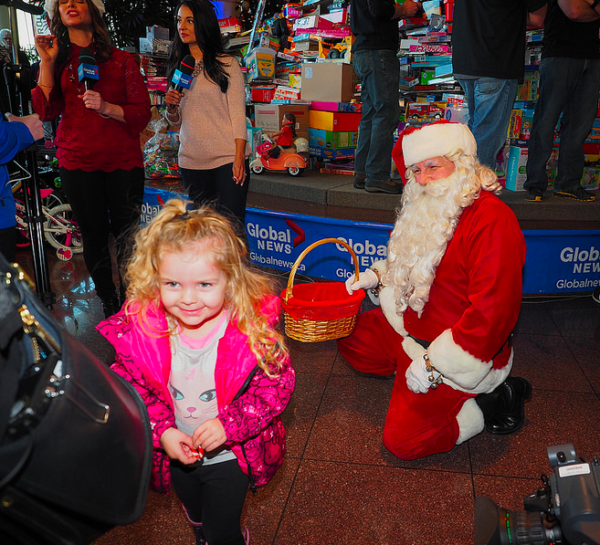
(497, 526)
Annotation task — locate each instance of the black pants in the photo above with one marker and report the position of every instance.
(105, 203)
(216, 188)
(213, 495)
(8, 243)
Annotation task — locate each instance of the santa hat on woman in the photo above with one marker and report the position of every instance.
(50, 4)
(417, 144)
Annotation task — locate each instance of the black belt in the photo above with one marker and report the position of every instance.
(424, 344)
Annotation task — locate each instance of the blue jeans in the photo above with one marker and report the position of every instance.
(570, 86)
(379, 72)
(490, 106)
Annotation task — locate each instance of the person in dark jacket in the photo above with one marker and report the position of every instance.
(569, 85)
(488, 58)
(15, 135)
(375, 25)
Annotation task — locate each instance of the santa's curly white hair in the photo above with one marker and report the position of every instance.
(426, 223)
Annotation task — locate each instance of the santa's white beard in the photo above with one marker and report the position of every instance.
(425, 225)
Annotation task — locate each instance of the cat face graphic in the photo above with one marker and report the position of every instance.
(192, 407)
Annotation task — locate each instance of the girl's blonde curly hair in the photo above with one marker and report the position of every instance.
(177, 229)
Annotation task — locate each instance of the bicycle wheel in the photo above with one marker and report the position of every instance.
(61, 230)
(52, 200)
(22, 226)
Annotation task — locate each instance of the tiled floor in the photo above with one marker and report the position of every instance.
(339, 485)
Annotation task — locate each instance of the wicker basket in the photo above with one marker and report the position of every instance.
(320, 311)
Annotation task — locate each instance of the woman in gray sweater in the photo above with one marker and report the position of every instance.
(211, 113)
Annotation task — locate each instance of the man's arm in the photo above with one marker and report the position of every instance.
(537, 18)
(580, 11)
(381, 9)
(408, 9)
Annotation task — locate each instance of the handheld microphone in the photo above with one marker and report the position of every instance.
(182, 78)
(88, 69)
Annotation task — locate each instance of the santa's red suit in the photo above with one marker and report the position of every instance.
(473, 307)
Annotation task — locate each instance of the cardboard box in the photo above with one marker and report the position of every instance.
(591, 178)
(311, 21)
(254, 138)
(334, 121)
(332, 139)
(292, 11)
(336, 106)
(317, 151)
(516, 175)
(295, 81)
(515, 124)
(260, 64)
(456, 114)
(148, 46)
(337, 17)
(286, 93)
(157, 32)
(231, 24)
(268, 117)
(262, 93)
(306, 45)
(328, 82)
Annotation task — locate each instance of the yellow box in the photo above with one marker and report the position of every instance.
(334, 121)
(260, 63)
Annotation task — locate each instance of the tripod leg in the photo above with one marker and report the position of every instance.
(33, 206)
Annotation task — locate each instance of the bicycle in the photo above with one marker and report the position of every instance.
(61, 230)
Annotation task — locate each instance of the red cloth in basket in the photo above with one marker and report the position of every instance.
(322, 301)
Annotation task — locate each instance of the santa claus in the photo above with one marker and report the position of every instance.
(449, 294)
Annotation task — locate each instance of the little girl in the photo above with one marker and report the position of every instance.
(284, 139)
(197, 339)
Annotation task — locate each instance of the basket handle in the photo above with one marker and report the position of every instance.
(290, 284)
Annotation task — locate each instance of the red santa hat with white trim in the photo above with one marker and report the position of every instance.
(417, 144)
(49, 6)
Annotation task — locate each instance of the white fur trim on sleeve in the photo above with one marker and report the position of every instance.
(462, 369)
(470, 421)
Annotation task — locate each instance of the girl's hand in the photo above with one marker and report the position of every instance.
(93, 101)
(178, 446)
(173, 98)
(46, 47)
(209, 435)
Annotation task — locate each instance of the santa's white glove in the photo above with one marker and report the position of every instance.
(418, 379)
(366, 280)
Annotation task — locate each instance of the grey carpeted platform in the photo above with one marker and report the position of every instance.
(333, 195)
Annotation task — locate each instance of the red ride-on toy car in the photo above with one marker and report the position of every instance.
(294, 163)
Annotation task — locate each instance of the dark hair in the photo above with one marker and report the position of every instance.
(100, 46)
(208, 37)
(292, 118)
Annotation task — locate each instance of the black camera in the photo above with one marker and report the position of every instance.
(566, 511)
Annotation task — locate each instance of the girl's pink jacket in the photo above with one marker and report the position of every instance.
(250, 403)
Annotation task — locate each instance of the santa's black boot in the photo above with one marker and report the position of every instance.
(504, 408)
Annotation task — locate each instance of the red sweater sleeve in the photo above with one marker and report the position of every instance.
(137, 108)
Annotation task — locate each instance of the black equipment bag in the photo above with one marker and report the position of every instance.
(75, 439)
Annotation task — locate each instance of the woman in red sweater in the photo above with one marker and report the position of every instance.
(98, 144)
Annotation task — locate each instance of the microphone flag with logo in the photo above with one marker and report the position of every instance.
(182, 78)
(88, 69)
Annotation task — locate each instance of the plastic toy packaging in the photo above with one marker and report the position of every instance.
(160, 152)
